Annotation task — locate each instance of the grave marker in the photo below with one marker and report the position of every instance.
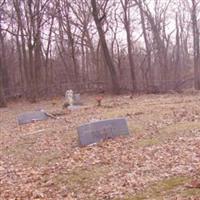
(30, 117)
(77, 99)
(102, 130)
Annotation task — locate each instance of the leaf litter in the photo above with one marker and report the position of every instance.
(159, 159)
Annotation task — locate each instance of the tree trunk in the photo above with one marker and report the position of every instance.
(129, 43)
(148, 51)
(108, 60)
(2, 97)
(177, 73)
(196, 46)
(47, 56)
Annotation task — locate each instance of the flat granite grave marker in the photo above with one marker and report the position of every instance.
(30, 117)
(101, 130)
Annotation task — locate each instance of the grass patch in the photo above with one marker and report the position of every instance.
(191, 193)
(168, 132)
(135, 127)
(114, 113)
(180, 127)
(20, 148)
(160, 189)
(44, 159)
(23, 150)
(148, 142)
(80, 179)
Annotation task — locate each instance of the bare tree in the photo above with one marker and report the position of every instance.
(2, 96)
(148, 74)
(106, 52)
(161, 41)
(196, 44)
(126, 21)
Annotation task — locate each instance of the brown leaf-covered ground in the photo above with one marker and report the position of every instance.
(159, 160)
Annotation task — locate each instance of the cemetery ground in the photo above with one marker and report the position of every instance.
(160, 159)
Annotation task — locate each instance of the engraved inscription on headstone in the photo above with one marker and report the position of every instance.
(30, 117)
(101, 130)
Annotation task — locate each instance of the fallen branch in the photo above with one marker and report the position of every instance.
(50, 115)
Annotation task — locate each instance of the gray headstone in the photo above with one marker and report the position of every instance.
(101, 130)
(77, 99)
(30, 117)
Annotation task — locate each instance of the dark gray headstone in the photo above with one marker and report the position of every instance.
(30, 117)
(101, 130)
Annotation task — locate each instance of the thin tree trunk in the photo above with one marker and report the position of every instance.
(2, 97)
(19, 52)
(129, 43)
(47, 54)
(148, 49)
(196, 46)
(177, 73)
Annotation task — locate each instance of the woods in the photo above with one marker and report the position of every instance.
(49, 46)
